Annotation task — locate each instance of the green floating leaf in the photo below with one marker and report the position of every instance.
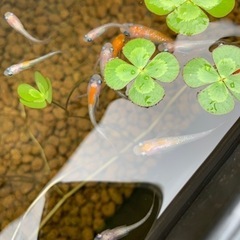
(162, 7)
(199, 72)
(163, 67)
(44, 86)
(187, 19)
(206, 4)
(37, 104)
(29, 93)
(138, 51)
(33, 98)
(118, 73)
(233, 84)
(216, 99)
(227, 59)
(147, 99)
(222, 9)
(144, 83)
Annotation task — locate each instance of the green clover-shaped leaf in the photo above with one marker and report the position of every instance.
(118, 73)
(216, 99)
(223, 79)
(199, 72)
(187, 17)
(33, 98)
(163, 67)
(162, 7)
(146, 99)
(138, 51)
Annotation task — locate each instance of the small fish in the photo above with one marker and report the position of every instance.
(153, 146)
(96, 32)
(122, 231)
(230, 40)
(16, 24)
(16, 68)
(93, 92)
(117, 44)
(105, 55)
(139, 31)
(186, 46)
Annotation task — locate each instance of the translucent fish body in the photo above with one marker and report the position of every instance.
(156, 145)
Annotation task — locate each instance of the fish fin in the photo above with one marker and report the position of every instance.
(96, 64)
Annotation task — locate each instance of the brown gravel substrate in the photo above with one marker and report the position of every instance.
(27, 138)
(84, 213)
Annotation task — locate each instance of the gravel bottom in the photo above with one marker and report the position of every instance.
(35, 144)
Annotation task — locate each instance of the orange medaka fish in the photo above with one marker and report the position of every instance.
(156, 145)
(96, 32)
(16, 68)
(139, 31)
(15, 23)
(117, 44)
(105, 55)
(93, 92)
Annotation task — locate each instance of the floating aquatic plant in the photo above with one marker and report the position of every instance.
(141, 72)
(187, 17)
(36, 98)
(223, 79)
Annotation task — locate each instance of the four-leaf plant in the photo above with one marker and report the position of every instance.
(187, 16)
(142, 71)
(223, 79)
(36, 98)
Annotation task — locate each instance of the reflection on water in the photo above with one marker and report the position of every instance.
(33, 138)
(83, 213)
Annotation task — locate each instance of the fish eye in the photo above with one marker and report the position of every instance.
(87, 39)
(99, 236)
(8, 72)
(126, 33)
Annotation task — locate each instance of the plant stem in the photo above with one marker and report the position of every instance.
(59, 105)
(24, 115)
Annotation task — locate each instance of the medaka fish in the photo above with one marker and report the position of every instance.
(156, 145)
(96, 32)
(16, 68)
(16, 24)
(121, 231)
(139, 31)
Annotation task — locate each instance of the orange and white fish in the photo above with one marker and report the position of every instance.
(96, 32)
(93, 92)
(105, 55)
(117, 44)
(16, 24)
(156, 145)
(16, 68)
(139, 31)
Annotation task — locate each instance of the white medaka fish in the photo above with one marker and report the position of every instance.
(155, 145)
(16, 68)
(105, 55)
(96, 32)
(16, 24)
(122, 231)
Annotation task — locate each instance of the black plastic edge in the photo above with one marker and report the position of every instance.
(196, 183)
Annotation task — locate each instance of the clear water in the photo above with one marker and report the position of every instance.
(74, 150)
